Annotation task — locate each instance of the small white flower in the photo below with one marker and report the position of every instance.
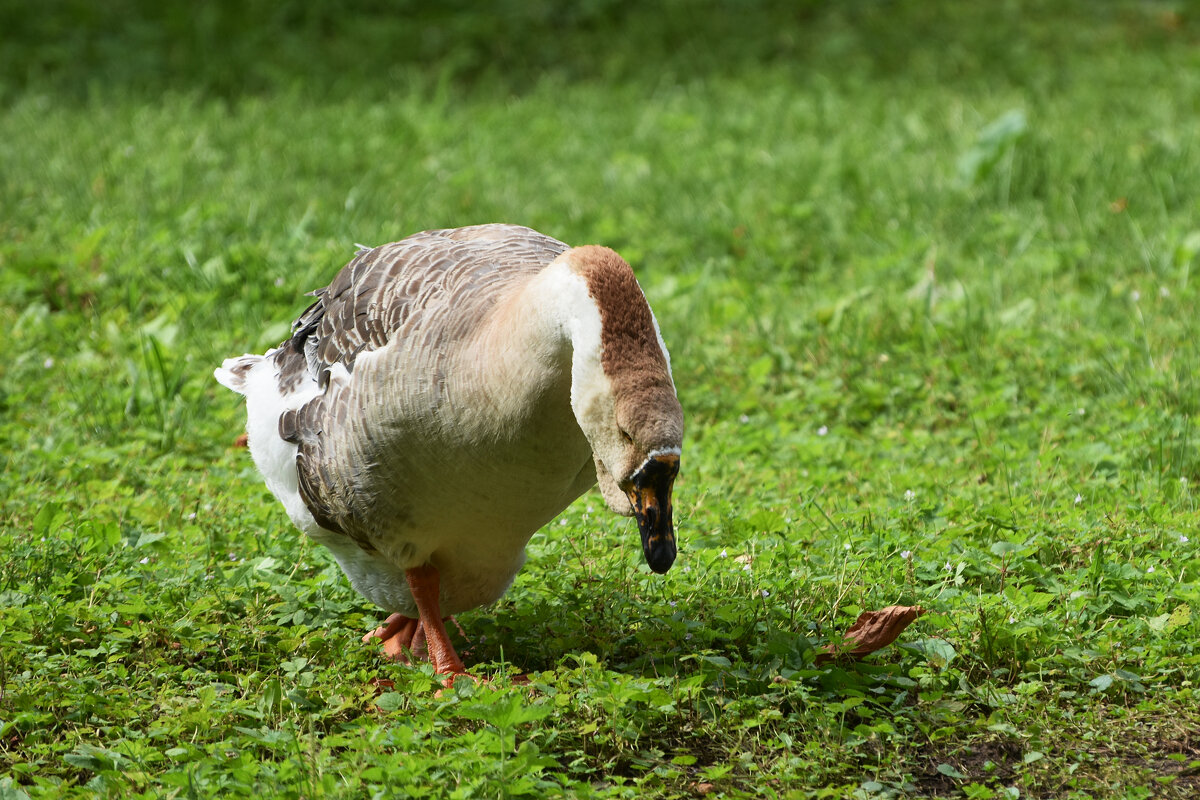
(1081, 411)
(821, 431)
(746, 568)
(192, 515)
(1183, 481)
(906, 555)
(591, 509)
(884, 358)
(1183, 539)
(687, 636)
(846, 546)
(909, 494)
(145, 560)
(765, 593)
(1078, 499)
(1135, 295)
(687, 569)
(724, 553)
(232, 556)
(671, 603)
(1164, 292)
(279, 282)
(562, 521)
(949, 567)
(48, 363)
(744, 418)
(1150, 570)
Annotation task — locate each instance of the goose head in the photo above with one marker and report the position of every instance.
(623, 396)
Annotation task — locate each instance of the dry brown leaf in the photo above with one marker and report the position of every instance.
(873, 630)
(242, 441)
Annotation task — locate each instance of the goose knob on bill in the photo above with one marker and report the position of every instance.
(446, 396)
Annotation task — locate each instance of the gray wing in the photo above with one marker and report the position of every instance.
(385, 289)
(395, 290)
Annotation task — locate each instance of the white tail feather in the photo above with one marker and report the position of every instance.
(233, 371)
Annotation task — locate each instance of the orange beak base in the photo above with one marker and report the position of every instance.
(650, 495)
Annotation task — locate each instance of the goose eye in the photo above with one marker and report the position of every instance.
(625, 435)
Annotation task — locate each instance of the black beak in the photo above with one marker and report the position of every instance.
(649, 493)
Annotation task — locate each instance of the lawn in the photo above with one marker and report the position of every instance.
(924, 269)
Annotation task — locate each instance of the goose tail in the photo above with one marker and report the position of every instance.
(233, 372)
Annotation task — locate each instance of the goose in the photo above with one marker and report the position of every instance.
(445, 397)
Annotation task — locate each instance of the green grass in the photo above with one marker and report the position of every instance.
(925, 270)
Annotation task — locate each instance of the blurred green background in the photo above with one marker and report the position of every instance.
(366, 48)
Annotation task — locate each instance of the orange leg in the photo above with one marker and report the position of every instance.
(424, 584)
(398, 634)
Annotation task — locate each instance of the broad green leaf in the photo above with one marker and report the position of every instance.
(1004, 548)
(390, 701)
(1181, 616)
(148, 538)
(939, 652)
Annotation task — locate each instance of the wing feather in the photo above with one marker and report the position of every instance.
(407, 284)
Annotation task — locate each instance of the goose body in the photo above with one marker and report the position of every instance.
(446, 396)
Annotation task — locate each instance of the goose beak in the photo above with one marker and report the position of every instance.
(649, 493)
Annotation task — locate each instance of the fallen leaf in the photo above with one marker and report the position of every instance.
(873, 630)
(382, 685)
(242, 441)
